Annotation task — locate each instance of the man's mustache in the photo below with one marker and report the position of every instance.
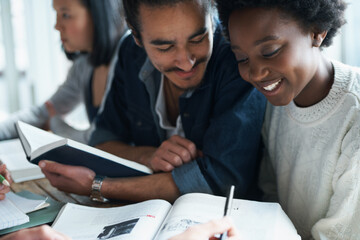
(172, 69)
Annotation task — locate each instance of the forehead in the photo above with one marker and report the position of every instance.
(258, 22)
(172, 20)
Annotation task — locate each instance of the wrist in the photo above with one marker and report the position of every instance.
(96, 189)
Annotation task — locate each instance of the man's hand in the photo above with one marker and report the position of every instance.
(172, 153)
(74, 179)
(38, 233)
(5, 173)
(208, 230)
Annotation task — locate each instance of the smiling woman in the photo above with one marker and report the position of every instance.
(311, 127)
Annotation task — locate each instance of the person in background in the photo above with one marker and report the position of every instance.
(177, 105)
(312, 123)
(90, 32)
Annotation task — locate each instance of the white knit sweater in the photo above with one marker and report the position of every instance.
(312, 160)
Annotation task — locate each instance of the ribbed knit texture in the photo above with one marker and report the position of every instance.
(313, 160)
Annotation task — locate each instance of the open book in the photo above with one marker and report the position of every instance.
(12, 154)
(14, 208)
(157, 219)
(39, 145)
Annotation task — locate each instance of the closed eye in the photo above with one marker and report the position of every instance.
(271, 53)
(198, 41)
(244, 60)
(165, 49)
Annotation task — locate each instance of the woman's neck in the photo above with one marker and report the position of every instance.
(319, 87)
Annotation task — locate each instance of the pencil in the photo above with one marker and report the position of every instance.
(227, 209)
(4, 181)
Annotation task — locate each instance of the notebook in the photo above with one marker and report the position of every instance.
(14, 208)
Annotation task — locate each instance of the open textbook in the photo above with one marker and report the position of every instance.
(13, 209)
(12, 154)
(158, 219)
(39, 145)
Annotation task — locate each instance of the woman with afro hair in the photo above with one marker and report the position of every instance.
(311, 132)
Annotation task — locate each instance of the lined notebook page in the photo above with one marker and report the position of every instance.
(10, 215)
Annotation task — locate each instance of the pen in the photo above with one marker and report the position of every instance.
(227, 209)
(4, 181)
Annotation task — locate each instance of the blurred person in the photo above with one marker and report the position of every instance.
(90, 32)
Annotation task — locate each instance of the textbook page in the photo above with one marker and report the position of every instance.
(12, 154)
(254, 220)
(135, 221)
(10, 215)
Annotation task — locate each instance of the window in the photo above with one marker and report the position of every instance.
(345, 47)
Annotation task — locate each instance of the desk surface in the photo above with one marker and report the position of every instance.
(43, 187)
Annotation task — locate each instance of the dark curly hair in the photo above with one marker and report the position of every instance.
(323, 15)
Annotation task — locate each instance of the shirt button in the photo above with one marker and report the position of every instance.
(138, 123)
(186, 115)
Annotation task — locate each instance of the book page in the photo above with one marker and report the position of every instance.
(12, 154)
(135, 221)
(26, 205)
(254, 220)
(39, 140)
(10, 215)
(191, 209)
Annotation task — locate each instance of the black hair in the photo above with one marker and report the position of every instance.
(132, 7)
(109, 25)
(321, 15)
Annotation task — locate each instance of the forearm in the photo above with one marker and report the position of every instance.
(140, 154)
(156, 186)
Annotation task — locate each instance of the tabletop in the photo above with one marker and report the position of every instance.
(44, 188)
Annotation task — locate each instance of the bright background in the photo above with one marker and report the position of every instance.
(32, 64)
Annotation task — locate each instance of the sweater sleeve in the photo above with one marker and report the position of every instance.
(71, 92)
(343, 215)
(36, 116)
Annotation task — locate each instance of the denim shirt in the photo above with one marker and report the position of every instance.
(223, 117)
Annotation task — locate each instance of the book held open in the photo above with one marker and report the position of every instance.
(158, 219)
(42, 145)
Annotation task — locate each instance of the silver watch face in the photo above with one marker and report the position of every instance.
(96, 190)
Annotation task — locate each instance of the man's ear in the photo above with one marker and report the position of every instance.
(136, 36)
(318, 38)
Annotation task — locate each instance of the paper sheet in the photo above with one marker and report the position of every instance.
(10, 215)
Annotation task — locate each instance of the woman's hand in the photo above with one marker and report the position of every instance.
(4, 189)
(207, 231)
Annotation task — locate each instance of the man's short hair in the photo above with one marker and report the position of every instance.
(132, 7)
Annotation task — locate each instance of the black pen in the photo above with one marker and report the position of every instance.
(228, 206)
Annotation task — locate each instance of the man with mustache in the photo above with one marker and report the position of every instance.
(177, 105)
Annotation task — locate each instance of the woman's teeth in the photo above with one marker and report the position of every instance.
(272, 86)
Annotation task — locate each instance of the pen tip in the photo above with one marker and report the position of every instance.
(6, 183)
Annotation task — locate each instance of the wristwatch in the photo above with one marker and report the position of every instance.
(96, 189)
